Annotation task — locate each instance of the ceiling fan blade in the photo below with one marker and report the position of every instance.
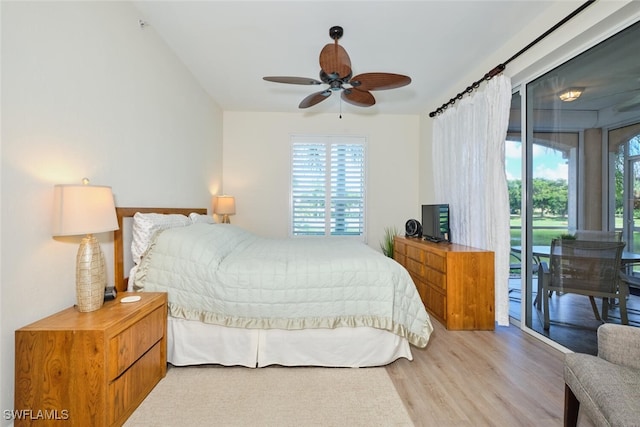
(360, 98)
(293, 80)
(379, 81)
(334, 60)
(315, 98)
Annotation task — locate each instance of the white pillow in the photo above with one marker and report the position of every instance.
(132, 276)
(201, 218)
(145, 226)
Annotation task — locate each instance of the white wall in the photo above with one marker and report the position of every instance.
(257, 166)
(425, 188)
(86, 92)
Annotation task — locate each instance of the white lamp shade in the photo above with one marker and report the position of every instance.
(225, 205)
(83, 209)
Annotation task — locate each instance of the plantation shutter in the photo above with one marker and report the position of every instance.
(328, 186)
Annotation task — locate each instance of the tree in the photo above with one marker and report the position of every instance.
(550, 196)
(515, 195)
(619, 179)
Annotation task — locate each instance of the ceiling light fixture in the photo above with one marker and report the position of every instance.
(571, 94)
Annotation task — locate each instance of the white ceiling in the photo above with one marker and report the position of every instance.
(230, 45)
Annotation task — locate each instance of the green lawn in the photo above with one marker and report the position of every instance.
(545, 229)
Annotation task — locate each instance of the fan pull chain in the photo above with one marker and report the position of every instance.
(340, 107)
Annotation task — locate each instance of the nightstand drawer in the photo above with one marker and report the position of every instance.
(126, 347)
(130, 389)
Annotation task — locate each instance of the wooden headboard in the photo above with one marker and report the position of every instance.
(118, 237)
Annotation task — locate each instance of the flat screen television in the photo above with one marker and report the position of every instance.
(435, 223)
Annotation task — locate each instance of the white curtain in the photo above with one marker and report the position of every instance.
(469, 175)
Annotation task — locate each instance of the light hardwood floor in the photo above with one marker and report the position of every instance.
(482, 378)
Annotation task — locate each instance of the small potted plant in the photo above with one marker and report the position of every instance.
(387, 243)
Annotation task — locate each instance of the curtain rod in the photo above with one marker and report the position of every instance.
(500, 68)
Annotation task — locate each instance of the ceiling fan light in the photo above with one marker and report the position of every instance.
(571, 94)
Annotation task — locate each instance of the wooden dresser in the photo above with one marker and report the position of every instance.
(455, 282)
(90, 369)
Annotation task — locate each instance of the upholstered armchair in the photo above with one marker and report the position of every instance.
(605, 387)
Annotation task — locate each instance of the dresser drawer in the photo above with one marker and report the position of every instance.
(436, 261)
(127, 392)
(436, 303)
(421, 287)
(435, 278)
(415, 253)
(126, 347)
(400, 259)
(399, 248)
(414, 267)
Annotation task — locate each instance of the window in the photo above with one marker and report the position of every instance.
(328, 186)
(624, 184)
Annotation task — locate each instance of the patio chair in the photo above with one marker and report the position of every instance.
(602, 236)
(598, 235)
(585, 267)
(516, 266)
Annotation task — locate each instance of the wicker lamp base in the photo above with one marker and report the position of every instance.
(91, 275)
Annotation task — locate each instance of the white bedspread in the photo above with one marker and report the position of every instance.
(221, 274)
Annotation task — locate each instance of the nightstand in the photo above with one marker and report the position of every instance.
(90, 369)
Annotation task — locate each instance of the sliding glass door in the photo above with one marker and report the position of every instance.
(580, 138)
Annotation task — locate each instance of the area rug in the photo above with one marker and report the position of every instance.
(272, 396)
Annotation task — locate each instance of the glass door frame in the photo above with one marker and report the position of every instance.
(526, 213)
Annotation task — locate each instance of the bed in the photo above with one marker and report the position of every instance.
(240, 299)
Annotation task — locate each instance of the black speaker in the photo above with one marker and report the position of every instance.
(413, 228)
(109, 293)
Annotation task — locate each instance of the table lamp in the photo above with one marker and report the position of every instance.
(225, 206)
(86, 209)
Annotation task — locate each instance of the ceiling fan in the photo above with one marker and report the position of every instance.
(335, 70)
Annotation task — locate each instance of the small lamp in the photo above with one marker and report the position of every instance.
(86, 209)
(225, 206)
(571, 94)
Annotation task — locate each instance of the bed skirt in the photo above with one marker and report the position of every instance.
(195, 343)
